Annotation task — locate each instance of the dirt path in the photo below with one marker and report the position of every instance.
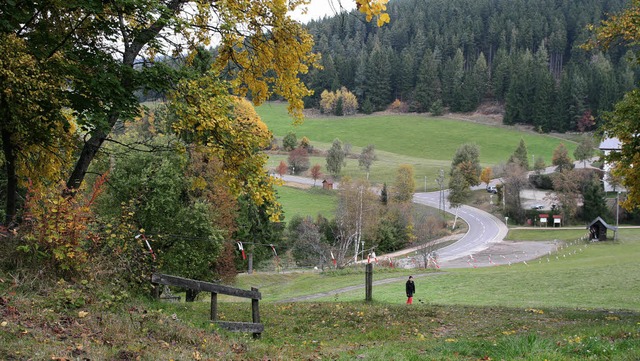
(355, 288)
(499, 253)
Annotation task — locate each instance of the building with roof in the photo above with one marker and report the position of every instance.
(607, 146)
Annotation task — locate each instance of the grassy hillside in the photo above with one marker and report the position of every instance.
(596, 275)
(412, 135)
(584, 306)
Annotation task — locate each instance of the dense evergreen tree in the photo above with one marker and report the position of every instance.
(378, 80)
(526, 55)
(520, 155)
(452, 76)
(428, 84)
(406, 81)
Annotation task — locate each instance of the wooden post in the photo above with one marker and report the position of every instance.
(250, 263)
(214, 306)
(368, 282)
(255, 312)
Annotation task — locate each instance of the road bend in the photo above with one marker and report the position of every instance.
(484, 228)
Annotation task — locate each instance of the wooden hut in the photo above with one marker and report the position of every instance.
(327, 184)
(598, 229)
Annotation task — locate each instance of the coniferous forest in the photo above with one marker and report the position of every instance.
(525, 58)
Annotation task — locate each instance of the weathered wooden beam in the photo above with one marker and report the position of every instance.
(214, 306)
(255, 313)
(241, 326)
(203, 286)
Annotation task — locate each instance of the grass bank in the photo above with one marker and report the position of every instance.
(581, 306)
(316, 331)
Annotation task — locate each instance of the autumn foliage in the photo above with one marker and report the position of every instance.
(340, 102)
(56, 229)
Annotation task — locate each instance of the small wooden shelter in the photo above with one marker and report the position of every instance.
(598, 229)
(327, 184)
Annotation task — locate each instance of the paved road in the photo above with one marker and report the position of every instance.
(484, 228)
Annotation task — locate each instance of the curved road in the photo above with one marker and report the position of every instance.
(484, 228)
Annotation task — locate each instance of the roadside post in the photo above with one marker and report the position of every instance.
(368, 280)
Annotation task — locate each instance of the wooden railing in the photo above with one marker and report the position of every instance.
(255, 327)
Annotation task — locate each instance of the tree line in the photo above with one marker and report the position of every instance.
(524, 56)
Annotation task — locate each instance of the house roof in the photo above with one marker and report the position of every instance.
(610, 144)
(598, 219)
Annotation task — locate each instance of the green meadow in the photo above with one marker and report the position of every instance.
(579, 275)
(412, 138)
(584, 305)
(307, 202)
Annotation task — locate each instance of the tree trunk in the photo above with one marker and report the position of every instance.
(131, 51)
(89, 152)
(12, 179)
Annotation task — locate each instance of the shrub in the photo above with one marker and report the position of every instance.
(340, 102)
(437, 109)
(306, 144)
(541, 181)
(299, 160)
(56, 230)
(327, 102)
(349, 102)
(367, 106)
(398, 106)
(290, 141)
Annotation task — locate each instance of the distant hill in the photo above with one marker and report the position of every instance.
(522, 54)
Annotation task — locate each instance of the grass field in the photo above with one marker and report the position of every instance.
(596, 275)
(412, 135)
(307, 202)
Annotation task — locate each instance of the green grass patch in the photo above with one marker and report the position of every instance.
(307, 202)
(600, 275)
(543, 234)
(355, 330)
(412, 135)
(383, 170)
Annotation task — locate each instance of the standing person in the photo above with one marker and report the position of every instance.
(411, 289)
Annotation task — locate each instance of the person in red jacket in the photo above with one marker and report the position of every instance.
(411, 289)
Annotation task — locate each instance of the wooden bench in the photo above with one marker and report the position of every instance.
(254, 327)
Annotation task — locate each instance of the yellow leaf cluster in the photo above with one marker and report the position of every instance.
(260, 47)
(41, 130)
(623, 28)
(227, 128)
(374, 8)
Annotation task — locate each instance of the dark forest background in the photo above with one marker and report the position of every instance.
(520, 58)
